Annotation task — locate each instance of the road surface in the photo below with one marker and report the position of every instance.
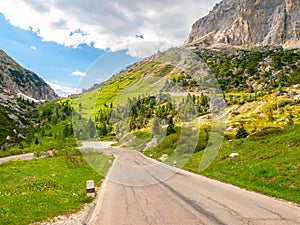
(158, 194)
(28, 156)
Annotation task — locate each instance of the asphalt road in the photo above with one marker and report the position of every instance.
(140, 191)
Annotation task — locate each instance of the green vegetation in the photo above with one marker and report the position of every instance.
(256, 69)
(10, 120)
(47, 187)
(170, 142)
(125, 95)
(263, 116)
(49, 128)
(258, 89)
(241, 133)
(35, 190)
(253, 105)
(269, 165)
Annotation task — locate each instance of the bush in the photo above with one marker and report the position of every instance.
(264, 132)
(242, 133)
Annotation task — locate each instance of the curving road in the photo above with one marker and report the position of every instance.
(158, 194)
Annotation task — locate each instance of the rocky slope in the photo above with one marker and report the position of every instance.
(20, 90)
(249, 23)
(14, 79)
(253, 70)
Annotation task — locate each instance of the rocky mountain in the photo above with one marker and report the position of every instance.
(20, 91)
(14, 79)
(249, 23)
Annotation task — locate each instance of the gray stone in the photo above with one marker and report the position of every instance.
(15, 79)
(249, 23)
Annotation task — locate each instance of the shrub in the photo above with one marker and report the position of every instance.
(264, 132)
(241, 133)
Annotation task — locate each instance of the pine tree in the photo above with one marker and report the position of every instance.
(66, 131)
(171, 127)
(36, 142)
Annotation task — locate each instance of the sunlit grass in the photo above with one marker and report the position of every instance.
(270, 165)
(35, 190)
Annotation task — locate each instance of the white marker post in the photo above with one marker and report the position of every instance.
(90, 188)
(175, 163)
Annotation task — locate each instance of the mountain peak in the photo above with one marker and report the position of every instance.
(4, 57)
(14, 79)
(249, 23)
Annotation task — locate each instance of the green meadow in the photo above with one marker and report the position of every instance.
(33, 191)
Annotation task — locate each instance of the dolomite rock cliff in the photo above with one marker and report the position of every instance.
(14, 79)
(249, 23)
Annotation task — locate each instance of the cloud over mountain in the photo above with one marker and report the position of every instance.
(105, 24)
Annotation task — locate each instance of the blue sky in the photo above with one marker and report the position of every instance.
(61, 40)
(52, 61)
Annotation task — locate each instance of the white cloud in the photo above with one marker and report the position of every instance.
(144, 49)
(63, 91)
(33, 47)
(78, 73)
(106, 23)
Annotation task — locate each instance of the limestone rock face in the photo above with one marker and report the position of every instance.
(249, 23)
(14, 79)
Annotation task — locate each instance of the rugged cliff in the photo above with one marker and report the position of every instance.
(249, 23)
(14, 79)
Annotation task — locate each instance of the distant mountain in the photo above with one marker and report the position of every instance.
(14, 79)
(249, 23)
(20, 91)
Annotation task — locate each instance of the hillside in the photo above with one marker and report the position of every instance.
(20, 91)
(260, 69)
(165, 106)
(249, 23)
(13, 121)
(226, 105)
(257, 85)
(14, 79)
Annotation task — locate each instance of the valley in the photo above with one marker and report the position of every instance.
(152, 106)
(180, 128)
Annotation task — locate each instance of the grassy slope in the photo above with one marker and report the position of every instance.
(95, 100)
(35, 190)
(270, 165)
(47, 141)
(254, 114)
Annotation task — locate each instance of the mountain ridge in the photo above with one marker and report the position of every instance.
(14, 79)
(249, 24)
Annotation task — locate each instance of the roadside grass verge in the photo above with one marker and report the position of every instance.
(270, 166)
(32, 191)
(45, 145)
